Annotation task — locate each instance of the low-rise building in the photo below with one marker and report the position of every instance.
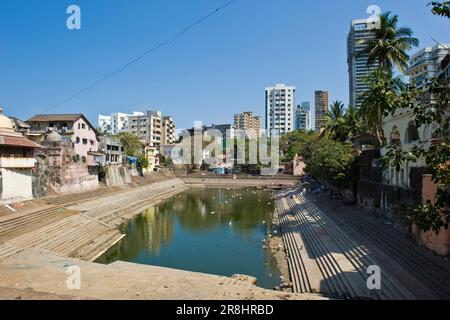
(152, 156)
(112, 149)
(73, 128)
(248, 121)
(16, 163)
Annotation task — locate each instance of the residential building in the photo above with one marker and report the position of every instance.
(302, 116)
(148, 127)
(321, 108)
(104, 124)
(152, 154)
(426, 63)
(112, 149)
(361, 31)
(280, 102)
(168, 130)
(16, 163)
(248, 121)
(116, 122)
(73, 128)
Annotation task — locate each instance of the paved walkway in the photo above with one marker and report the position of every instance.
(331, 246)
(35, 274)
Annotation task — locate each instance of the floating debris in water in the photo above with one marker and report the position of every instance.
(213, 212)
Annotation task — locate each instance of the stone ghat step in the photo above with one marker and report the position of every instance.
(47, 233)
(72, 198)
(431, 270)
(48, 273)
(116, 202)
(7, 251)
(322, 258)
(4, 211)
(32, 221)
(86, 236)
(98, 246)
(358, 256)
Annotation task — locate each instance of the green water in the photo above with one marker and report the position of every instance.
(204, 230)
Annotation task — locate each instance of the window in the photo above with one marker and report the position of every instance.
(83, 126)
(411, 133)
(85, 141)
(78, 140)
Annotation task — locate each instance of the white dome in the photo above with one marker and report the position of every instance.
(53, 137)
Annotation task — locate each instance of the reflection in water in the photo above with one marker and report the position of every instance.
(214, 231)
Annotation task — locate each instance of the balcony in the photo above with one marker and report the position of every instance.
(17, 162)
(94, 159)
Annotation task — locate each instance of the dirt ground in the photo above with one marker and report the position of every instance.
(276, 246)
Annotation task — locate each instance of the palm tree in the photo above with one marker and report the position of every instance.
(382, 97)
(353, 122)
(334, 122)
(390, 45)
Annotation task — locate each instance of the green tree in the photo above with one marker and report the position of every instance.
(391, 43)
(142, 163)
(441, 8)
(292, 142)
(353, 122)
(334, 122)
(131, 144)
(330, 161)
(381, 98)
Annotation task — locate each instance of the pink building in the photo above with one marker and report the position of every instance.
(74, 128)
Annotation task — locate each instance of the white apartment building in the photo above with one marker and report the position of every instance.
(147, 127)
(168, 130)
(425, 64)
(116, 122)
(280, 102)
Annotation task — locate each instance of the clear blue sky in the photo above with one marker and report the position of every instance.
(218, 68)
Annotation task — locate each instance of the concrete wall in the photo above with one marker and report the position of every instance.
(117, 175)
(76, 178)
(16, 185)
(439, 243)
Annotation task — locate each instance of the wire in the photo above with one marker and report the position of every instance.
(166, 42)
